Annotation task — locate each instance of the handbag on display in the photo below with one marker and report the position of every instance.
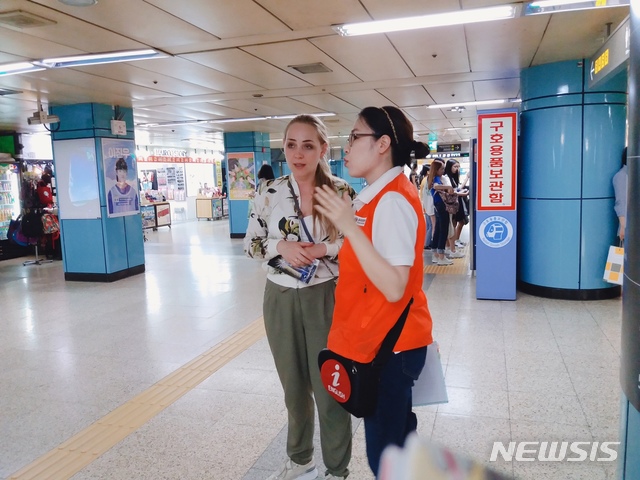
(355, 384)
(614, 268)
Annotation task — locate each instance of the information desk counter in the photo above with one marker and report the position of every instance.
(212, 208)
(156, 215)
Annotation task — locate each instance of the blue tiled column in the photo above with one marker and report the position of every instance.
(98, 249)
(251, 142)
(571, 144)
(630, 358)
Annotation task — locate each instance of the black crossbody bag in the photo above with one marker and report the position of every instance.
(354, 384)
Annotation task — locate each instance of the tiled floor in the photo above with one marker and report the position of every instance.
(71, 353)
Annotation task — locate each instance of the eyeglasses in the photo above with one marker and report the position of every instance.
(354, 136)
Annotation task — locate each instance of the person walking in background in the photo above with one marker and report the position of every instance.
(265, 173)
(413, 175)
(441, 232)
(381, 269)
(427, 205)
(297, 315)
(620, 180)
(452, 177)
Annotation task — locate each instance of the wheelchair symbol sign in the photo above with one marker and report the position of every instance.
(496, 232)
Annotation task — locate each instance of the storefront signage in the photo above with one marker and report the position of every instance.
(169, 152)
(166, 159)
(612, 56)
(496, 161)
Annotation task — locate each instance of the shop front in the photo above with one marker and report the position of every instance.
(171, 180)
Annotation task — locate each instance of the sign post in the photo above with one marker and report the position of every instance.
(496, 216)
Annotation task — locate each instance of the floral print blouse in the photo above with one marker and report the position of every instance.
(273, 218)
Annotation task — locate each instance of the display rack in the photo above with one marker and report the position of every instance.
(212, 208)
(156, 215)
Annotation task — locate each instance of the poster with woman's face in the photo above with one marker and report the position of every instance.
(120, 177)
(242, 176)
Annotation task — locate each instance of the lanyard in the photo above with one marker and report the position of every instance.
(296, 207)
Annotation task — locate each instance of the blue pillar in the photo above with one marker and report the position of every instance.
(255, 143)
(98, 242)
(630, 358)
(571, 142)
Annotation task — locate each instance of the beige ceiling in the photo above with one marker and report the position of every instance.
(232, 59)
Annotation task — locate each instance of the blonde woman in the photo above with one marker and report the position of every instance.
(297, 315)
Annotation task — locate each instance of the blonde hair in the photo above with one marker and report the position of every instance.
(323, 174)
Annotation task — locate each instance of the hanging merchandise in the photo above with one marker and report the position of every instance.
(9, 196)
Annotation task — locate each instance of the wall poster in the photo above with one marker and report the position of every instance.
(120, 177)
(242, 175)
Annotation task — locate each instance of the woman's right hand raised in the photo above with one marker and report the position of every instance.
(294, 252)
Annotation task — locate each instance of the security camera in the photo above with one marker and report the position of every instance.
(40, 117)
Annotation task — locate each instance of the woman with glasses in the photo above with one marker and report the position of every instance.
(381, 268)
(286, 232)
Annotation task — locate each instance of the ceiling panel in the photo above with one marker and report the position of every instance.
(576, 35)
(381, 9)
(493, 89)
(407, 96)
(364, 98)
(284, 55)
(452, 92)
(509, 44)
(329, 103)
(368, 57)
(137, 20)
(242, 65)
(447, 44)
(131, 73)
(422, 113)
(214, 16)
(303, 14)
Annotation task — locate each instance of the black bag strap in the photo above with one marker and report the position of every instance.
(386, 349)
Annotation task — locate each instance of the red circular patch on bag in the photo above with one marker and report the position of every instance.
(336, 380)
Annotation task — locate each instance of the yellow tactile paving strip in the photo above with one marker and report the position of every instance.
(80, 450)
(460, 266)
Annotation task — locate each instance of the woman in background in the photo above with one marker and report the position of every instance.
(435, 184)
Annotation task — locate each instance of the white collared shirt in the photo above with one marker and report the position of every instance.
(395, 223)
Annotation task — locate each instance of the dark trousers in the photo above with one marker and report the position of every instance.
(393, 419)
(442, 227)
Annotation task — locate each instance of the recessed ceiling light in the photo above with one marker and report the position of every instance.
(79, 3)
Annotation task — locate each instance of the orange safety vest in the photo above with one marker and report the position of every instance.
(362, 315)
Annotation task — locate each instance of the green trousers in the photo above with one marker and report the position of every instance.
(297, 322)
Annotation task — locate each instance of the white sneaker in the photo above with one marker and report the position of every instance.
(460, 244)
(445, 261)
(291, 470)
(447, 251)
(434, 259)
(328, 476)
(456, 255)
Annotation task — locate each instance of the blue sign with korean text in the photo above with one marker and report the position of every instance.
(496, 215)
